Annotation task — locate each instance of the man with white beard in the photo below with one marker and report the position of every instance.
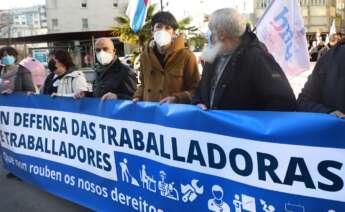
(239, 72)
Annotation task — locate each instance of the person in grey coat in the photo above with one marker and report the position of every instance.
(13, 77)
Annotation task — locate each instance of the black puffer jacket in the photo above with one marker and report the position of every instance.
(252, 80)
(324, 92)
(116, 78)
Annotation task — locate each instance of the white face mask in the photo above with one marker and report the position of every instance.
(162, 38)
(104, 58)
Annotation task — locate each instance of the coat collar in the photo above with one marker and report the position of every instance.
(101, 70)
(73, 74)
(177, 45)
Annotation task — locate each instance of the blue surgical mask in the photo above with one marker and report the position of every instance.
(8, 60)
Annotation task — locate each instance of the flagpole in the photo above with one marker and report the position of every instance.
(263, 15)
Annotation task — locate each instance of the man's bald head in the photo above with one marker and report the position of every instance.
(106, 45)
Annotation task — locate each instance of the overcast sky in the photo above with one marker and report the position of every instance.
(176, 5)
(8, 4)
(205, 6)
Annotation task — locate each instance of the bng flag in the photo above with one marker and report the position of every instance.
(136, 12)
(282, 30)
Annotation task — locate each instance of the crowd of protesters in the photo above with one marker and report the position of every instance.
(322, 45)
(239, 73)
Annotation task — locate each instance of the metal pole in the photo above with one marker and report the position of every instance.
(25, 50)
(263, 15)
(10, 23)
(161, 5)
(93, 50)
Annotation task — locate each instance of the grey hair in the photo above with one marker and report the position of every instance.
(227, 20)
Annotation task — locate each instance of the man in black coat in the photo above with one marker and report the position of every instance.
(239, 73)
(324, 90)
(114, 80)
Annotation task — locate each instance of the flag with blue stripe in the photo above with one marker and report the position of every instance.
(136, 12)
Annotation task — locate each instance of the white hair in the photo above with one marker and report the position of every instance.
(210, 53)
(227, 20)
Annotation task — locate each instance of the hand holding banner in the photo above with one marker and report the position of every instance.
(116, 155)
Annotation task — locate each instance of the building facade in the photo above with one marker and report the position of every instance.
(318, 15)
(22, 22)
(83, 15)
(340, 17)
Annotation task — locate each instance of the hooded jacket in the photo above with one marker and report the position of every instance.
(71, 83)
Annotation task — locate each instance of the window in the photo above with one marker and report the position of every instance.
(306, 2)
(115, 3)
(85, 23)
(55, 22)
(262, 4)
(83, 3)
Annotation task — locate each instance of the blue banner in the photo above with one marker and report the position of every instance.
(124, 156)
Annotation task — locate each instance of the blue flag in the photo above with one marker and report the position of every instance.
(136, 12)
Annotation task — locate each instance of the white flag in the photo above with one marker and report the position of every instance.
(333, 29)
(282, 30)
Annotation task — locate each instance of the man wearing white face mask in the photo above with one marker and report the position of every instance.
(168, 71)
(114, 80)
(240, 74)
